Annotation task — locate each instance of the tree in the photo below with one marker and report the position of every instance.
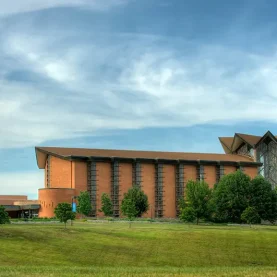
(138, 198)
(250, 215)
(198, 195)
(187, 214)
(4, 216)
(107, 205)
(84, 203)
(181, 203)
(263, 198)
(63, 212)
(128, 208)
(231, 197)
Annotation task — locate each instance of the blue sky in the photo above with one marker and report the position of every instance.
(146, 74)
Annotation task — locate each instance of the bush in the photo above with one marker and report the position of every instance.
(231, 197)
(4, 216)
(236, 192)
(198, 196)
(63, 212)
(107, 205)
(250, 216)
(263, 198)
(188, 214)
(135, 202)
(84, 203)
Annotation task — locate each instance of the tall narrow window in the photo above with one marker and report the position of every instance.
(261, 169)
(92, 186)
(48, 181)
(159, 190)
(219, 172)
(201, 173)
(136, 174)
(115, 187)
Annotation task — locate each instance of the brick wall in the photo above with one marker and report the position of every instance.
(229, 169)
(210, 175)
(60, 173)
(148, 186)
(252, 172)
(79, 176)
(169, 191)
(50, 198)
(66, 174)
(103, 182)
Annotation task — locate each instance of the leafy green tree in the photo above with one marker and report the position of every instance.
(128, 208)
(188, 214)
(231, 196)
(63, 212)
(139, 200)
(198, 195)
(4, 216)
(250, 215)
(263, 198)
(84, 203)
(181, 203)
(107, 205)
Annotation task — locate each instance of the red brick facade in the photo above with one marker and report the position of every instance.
(65, 179)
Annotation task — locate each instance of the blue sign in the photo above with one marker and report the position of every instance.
(74, 207)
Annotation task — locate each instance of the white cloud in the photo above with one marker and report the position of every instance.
(21, 183)
(19, 6)
(125, 82)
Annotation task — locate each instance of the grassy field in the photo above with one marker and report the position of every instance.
(147, 249)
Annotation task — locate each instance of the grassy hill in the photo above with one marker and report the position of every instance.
(147, 249)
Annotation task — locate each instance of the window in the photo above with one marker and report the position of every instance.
(219, 172)
(201, 173)
(261, 170)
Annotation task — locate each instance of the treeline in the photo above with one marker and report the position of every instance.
(235, 199)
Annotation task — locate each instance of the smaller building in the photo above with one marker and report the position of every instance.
(18, 206)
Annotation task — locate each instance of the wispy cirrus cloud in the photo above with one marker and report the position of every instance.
(86, 71)
(57, 85)
(143, 88)
(17, 6)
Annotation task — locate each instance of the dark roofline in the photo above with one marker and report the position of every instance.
(225, 144)
(268, 133)
(147, 160)
(244, 139)
(164, 161)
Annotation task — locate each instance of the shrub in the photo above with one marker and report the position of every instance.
(231, 197)
(107, 205)
(198, 195)
(4, 216)
(250, 216)
(63, 212)
(84, 203)
(263, 198)
(134, 203)
(136, 198)
(188, 214)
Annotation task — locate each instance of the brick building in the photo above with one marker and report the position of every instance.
(161, 175)
(18, 206)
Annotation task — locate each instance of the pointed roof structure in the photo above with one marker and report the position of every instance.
(250, 139)
(226, 143)
(231, 144)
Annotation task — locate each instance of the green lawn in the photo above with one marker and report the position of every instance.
(147, 249)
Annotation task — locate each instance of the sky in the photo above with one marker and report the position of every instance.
(170, 75)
